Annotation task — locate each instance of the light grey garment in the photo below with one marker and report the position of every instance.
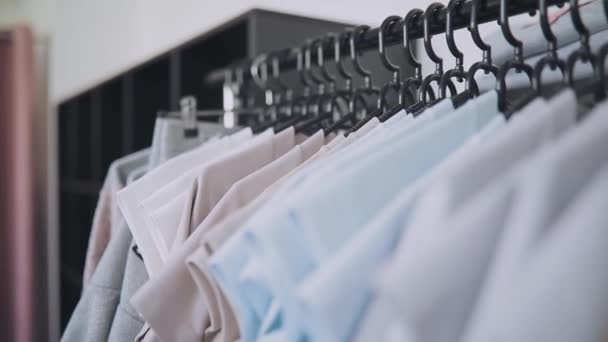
(107, 217)
(104, 312)
(94, 313)
(137, 173)
(169, 140)
(127, 323)
(534, 43)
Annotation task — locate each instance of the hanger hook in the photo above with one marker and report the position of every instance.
(310, 45)
(354, 55)
(546, 28)
(276, 73)
(300, 67)
(579, 26)
(337, 41)
(407, 41)
(329, 78)
(386, 25)
(428, 46)
(474, 29)
(503, 21)
(259, 71)
(453, 7)
(584, 53)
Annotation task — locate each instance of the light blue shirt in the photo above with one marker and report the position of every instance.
(333, 299)
(319, 222)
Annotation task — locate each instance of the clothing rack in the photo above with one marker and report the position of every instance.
(489, 11)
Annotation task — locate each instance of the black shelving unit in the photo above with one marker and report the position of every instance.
(116, 117)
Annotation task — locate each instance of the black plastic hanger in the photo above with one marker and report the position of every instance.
(394, 84)
(280, 96)
(366, 89)
(410, 86)
(328, 96)
(517, 63)
(551, 60)
(599, 84)
(302, 101)
(348, 85)
(428, 47)
(485, 65)
(583, 53)
(458, 70)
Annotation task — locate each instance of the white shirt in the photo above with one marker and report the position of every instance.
(455, 252)
(546, 188)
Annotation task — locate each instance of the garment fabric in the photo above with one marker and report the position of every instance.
(168, 141)
(560, 292)
(531, 129)
(545, 189)
(333, 299)
(129, 199)
(107, 217)
(458, 257)
(104, 312)
(303, 255)
(217, 178)
(297, 178)
(18, 250)
(177, 285)
(93, 316)
(236, 198)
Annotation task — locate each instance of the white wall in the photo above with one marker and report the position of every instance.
(95, 40)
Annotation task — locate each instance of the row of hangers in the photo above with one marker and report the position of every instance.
(316, 107)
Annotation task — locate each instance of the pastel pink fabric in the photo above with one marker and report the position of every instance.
(17, 267)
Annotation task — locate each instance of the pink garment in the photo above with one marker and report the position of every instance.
(17, 268)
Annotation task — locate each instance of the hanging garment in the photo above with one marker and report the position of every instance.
(107, 217)
(104, 313)
(246, 189)
(332, 300)
(303, 255)
(311, 283)
(93, 316)
(250, 273)
(179, 290)
(164, 220)
(216, 179)
(545, 189)
(168, 140)
(298, 178)
(129, 199)
(18, 258)
(560, 292)
(530, 129)
(457, 258)
(177, 286)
